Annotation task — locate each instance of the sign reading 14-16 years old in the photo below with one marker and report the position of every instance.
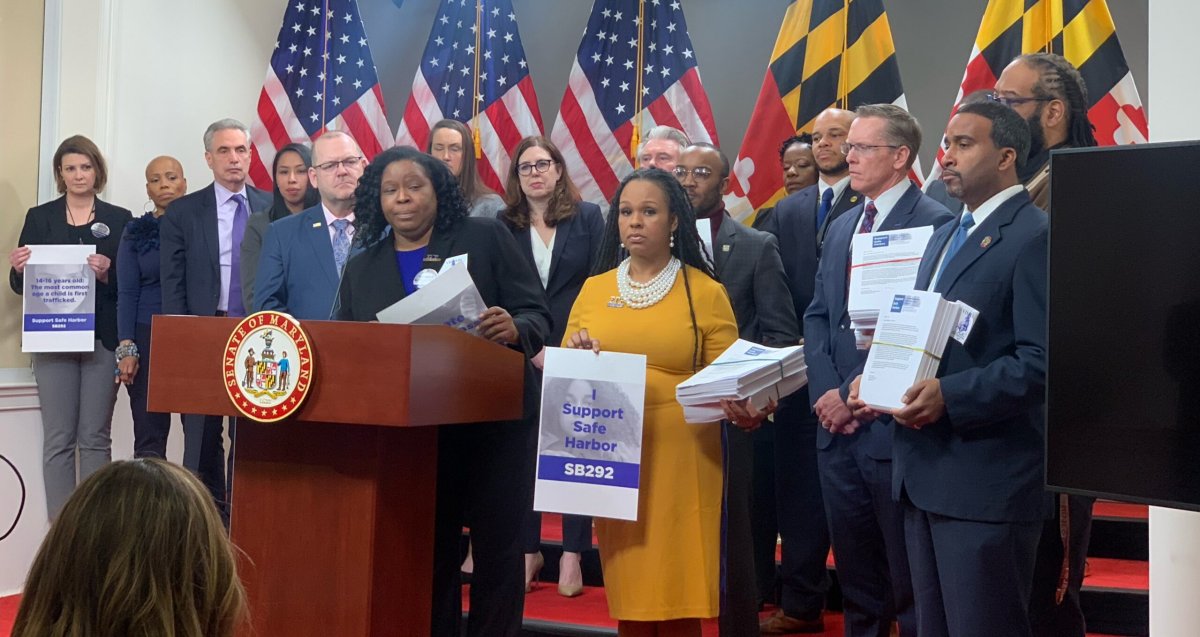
(590, 440)
(59, 300)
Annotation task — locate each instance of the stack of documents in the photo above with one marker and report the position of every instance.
(881, 263)
(745, 370)
(450, 299)
(909, 340)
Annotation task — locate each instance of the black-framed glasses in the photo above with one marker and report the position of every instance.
(348, 163)
(699, 173)
(1013, 102)
(542, 165)
(864, 148)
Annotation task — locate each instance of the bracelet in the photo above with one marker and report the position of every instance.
(124, 351)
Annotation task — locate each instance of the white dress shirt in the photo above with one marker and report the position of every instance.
(980, 215)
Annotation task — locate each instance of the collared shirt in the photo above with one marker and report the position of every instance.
(884, 204)
(226, 209)
(330, 218)
(838, 188)
(714, 222)
(980, 215)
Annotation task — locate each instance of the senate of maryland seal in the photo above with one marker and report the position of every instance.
(268, 366)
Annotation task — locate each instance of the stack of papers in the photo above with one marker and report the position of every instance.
(909, 341)
(745, 370)
(881, 263)
(450, 299)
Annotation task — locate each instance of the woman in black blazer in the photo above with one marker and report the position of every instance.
(76, 389)
(412, 216)
(559, 236)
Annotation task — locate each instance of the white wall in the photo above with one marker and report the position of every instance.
(1174, 535)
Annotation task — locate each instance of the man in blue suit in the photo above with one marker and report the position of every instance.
(303, 255)
(200, 237)
(855, 459)
(969, 454)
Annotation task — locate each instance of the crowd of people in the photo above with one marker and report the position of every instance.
(937, 515)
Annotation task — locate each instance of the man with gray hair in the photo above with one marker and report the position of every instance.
(661, 148)
(200, 237)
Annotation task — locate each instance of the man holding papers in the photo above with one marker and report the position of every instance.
(855, 458)
(969, 454)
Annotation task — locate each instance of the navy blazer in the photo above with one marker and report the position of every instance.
(794, 223)
(576, 242)
(833, 359)
(984, 460)
(296, 270)
(191, 251)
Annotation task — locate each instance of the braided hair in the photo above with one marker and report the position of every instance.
(687, 239)
(369, 222)
(802, 138)
(1059, 79)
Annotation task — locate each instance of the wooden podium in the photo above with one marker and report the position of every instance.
(333, 508)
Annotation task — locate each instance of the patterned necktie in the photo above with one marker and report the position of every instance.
(868, 220)
(341, 243)
(240, 215)
(956, 242)
(823, 209)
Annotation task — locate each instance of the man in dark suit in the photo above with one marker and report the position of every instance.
(800, 222)
(303, 255)
(969, 454)
(748, 264)
(200, 237)
(855, 459)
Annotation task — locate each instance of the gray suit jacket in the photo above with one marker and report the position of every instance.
(748, 264)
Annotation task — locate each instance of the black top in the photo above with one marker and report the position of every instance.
(47, 225)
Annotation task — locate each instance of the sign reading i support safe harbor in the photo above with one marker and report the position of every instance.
(268, 366)
(59, 300)
(590, 439)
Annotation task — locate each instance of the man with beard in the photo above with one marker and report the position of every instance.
(800, 222)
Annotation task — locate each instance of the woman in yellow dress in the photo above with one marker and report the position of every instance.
(661, 573)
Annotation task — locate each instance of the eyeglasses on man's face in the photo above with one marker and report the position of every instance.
(699, 173)
(349, 163)
(863, 149)
(542, 165)
(1015, 101)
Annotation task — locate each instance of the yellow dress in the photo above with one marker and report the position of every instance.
(666, 564)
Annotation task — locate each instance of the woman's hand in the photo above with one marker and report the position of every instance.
(99, 264)
(539, 359)
(497, 325)
(581, 340)
(18, 257)
(745, 415)
(127, 369)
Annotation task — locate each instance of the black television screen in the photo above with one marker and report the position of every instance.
(1123, 419)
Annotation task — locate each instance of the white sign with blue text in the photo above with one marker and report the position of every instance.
(59, 313)
(590, 438)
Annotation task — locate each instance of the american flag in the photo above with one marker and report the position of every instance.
(321, 76)
(595, 123)
(445, 85)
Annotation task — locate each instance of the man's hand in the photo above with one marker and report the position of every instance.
(857, 407)
(923, 404)
(832, 413)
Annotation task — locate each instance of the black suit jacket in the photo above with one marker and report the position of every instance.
(794, 223)
(748, 264)
(47, 225)
(576, 242)
(372, 282)
(190, 251)
(834, 361)
(984, 460)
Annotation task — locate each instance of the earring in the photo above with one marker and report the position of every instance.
(622, 246)
(672, 241)
(151, 205)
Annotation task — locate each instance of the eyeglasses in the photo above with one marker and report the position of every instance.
(699, 173)
(864, 148)
(348, 163)
(1013, 102)
(541, 165)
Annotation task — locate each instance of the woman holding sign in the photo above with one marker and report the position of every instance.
(661, 573)
(559, 236)
(414, 217)
(76, 389)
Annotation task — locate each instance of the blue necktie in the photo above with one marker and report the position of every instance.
(823, 209)
(956, 242)
(341, 243)
(240, 215)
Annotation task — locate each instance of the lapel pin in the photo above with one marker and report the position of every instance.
(725, 248)
(616, 301)
(317, 224)
(854, 199)
(987, 241)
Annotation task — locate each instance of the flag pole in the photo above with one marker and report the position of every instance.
(843, 93)
(636, 138)
(324, 60)
(475, 96)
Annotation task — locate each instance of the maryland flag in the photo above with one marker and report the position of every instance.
(828, 53)
(1081, 31)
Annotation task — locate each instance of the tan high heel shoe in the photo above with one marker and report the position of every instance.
(533, 566)
(570, 575)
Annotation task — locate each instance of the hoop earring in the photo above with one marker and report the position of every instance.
(152, 206)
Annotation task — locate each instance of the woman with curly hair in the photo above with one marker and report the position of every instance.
(662, 571)
(413, 216)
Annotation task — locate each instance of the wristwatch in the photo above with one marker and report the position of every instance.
(127, 350)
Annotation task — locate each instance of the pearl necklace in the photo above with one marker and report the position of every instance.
(642, 295)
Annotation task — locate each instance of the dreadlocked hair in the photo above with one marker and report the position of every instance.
(369, 222)
(1059, 79)
(687, 239)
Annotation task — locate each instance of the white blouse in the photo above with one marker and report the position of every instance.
(542, 253)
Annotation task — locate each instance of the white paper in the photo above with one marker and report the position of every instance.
(964, 322)
(59, 299)
(704, 229)
(907, 348)
(453, 261)
(451, 299)
(744, 370)
(881, 264)
(590, 433)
